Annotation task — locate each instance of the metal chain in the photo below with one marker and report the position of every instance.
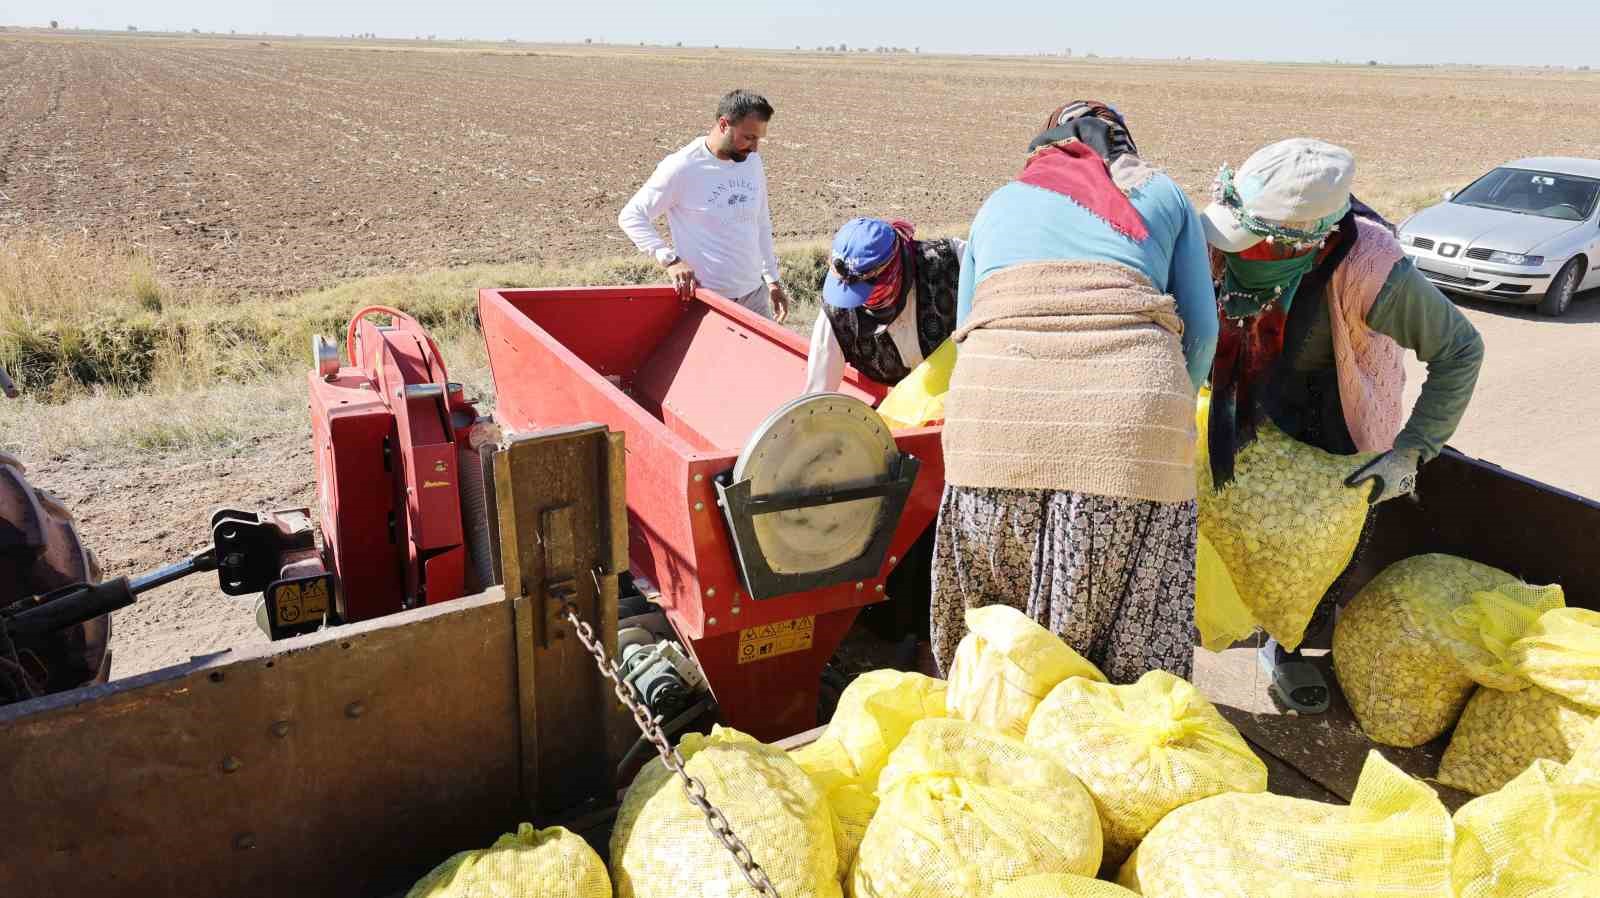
(650, 726)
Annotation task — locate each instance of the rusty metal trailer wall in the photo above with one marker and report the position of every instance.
(341, 763)
(350, 761)
(1476, 509)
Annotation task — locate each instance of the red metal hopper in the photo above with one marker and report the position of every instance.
(695, 385)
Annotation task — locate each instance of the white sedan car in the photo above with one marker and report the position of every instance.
(1527, 232)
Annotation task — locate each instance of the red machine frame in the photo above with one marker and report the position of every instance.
(687, 382)
(386, 427)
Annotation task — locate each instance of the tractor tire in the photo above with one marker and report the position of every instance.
(40, 551)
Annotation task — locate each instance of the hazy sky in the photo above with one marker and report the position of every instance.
(1538, 32)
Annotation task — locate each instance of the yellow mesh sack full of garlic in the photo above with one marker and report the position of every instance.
(1413, 644)
(661, 847)
(1143, 750)
(966, 809)
(1285, 527)
(540, 863)
(1501, 733)
(873, 716)
(1005, 666)
(1393, 839)
(1537, 836)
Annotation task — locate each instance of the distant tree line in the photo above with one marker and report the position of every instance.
(843, 48)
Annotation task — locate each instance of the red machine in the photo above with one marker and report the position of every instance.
(760, 521)
(765, 522)
(390, 430)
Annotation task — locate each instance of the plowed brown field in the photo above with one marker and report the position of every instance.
(263, 169)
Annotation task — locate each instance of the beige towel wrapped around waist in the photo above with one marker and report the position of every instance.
(1071, 376)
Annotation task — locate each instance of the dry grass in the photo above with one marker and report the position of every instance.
(218, 419)
(112, 359)
(75, 316)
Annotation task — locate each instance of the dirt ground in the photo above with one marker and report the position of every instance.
(263, 168)
(257, 170)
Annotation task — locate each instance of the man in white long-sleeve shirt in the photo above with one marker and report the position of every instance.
(714, 194)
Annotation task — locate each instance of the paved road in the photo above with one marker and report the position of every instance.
(1537, 407)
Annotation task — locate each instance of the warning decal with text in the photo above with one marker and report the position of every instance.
(772, 640)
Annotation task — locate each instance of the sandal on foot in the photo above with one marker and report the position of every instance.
(1296, 682)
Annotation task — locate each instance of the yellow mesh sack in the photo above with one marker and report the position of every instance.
(1005, 666)
(1410, 647)
(538, 863)
(876, 711)
(1285, 528)
(918, 399)
(964, 809)
(1392, 840)
(1143, 750)
(851, 800)
(872, 717)
(1585, 764)
(1219, 614)
(1501, 733)
(1560, 652)
(1061, 885)
(1538, 837)
(661, 848)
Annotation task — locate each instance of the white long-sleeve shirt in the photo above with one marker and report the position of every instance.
(718, 213)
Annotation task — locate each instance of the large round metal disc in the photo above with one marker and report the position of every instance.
(817, 442)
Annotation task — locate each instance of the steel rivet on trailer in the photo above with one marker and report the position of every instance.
(699, 477)
(355, 709)
(280, 729)
(711, 622)
(711, 593)
(245, 841)
(894, 559)
(878, 588)
(231, 764)
(699, 506)
(736, 609)
(860, 585)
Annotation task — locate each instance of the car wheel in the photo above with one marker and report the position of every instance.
(1559, 296)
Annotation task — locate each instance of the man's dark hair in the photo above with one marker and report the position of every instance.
(737, 104)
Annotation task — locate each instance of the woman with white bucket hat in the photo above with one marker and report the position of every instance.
(1316, 308)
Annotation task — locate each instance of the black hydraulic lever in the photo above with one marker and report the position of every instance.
(79, 602)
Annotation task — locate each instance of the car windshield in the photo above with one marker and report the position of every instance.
(1533, 193)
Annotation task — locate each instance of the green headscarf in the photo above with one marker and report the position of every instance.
(1252, 285)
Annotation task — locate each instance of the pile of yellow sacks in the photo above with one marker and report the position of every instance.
(1547, 716)
(1035, 775)
(1436, 641)
(1029, 776)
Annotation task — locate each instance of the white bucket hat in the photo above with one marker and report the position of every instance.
(1293, 191)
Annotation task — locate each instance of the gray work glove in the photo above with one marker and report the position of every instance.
(1395, 473)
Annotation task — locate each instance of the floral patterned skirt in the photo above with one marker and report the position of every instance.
(1112, 577)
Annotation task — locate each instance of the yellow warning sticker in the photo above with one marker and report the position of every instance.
(772, 640)
(298, 602)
